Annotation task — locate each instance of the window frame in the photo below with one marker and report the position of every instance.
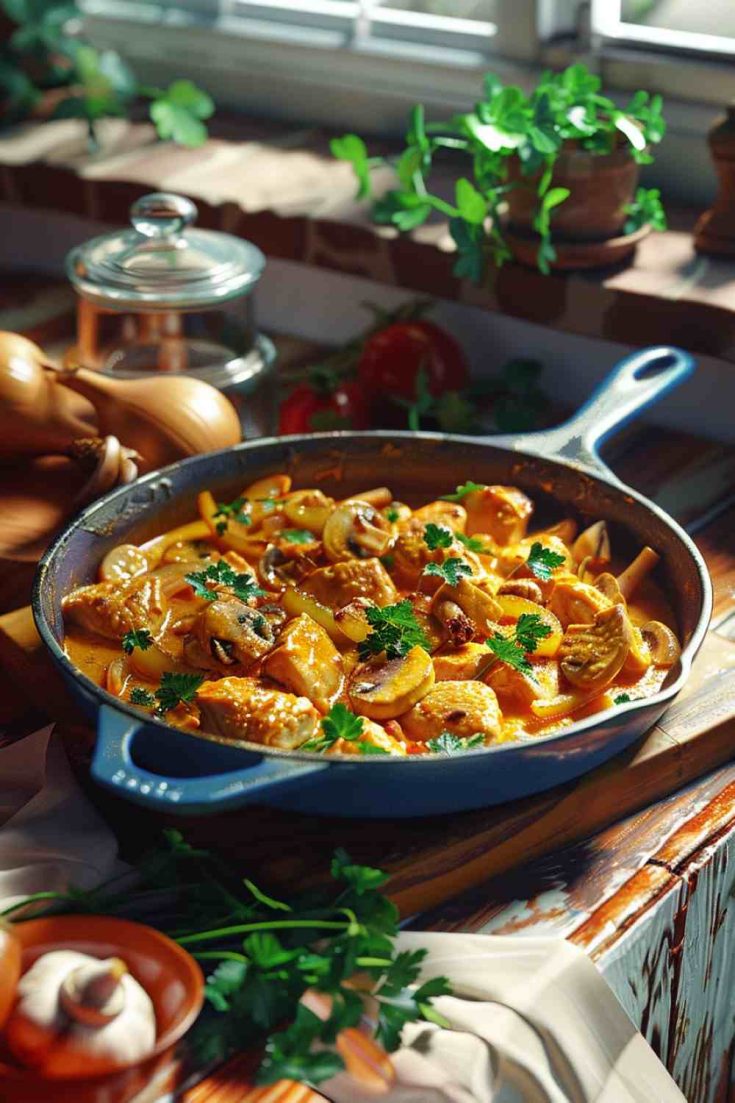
(609, 26)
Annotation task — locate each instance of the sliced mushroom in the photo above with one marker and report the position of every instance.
(352, 619)
(592, 655)
(378, 496)
(384, 690)
(593, 544)
(459, 628)
(482, 608)
(607, 584)
(461, 708)
(356, 530)
(276, 570)
(232, 632)
(662, 643)
(637, 571)
(522, 587)
(450, 514)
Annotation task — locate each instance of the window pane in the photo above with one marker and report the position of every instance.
(483, 10)
(712, 17)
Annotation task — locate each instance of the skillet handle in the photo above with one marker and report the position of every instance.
(212, 788)
(635, 383)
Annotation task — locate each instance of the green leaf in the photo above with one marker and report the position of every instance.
(553, 197)
(437, 536)
(471, 205)
(450, 571)
(360, 878)
(351, 148)
(140, 696)
(268, 901)
(622, 699)
(472, 543)
(395, 630)
(137, 637)
(178, 113)
(447, 743)
(417, 128)
(543, 561)
(339, 723)
(216, 577)
(462, 491)
(297, 536)
(175, 689)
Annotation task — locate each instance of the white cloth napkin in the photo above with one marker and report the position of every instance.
(50, 835)
(532, 1021)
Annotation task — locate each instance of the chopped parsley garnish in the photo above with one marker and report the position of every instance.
(514, 649)
(232, 511)
(220, 574)
(395, 630)
(175, 688)
(437, 536)
(622, 699)
(137, 637)
(140, 696)
(542, 561)
(297, 536)
(472, 543)
(392, 514)
(267, 504)
(340, 723)
(447, 743)
(462, 491)
(451, 570)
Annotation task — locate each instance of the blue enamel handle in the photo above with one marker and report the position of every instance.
(635, 383)
(217, 788)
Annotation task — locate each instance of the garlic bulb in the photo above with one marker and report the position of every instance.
(78, 1015)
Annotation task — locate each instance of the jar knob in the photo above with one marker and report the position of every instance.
(162, 214)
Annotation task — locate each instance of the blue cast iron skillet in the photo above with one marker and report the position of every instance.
(163, 768)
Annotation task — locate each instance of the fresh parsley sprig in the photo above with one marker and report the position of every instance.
(297, 536)
(232, 511)
(514, 649)
(394, 630)
(207, 583)
(140, 696)
(450, 571)
(136, 637)
(462, 491)
(176, 689)
(542, 561)
(340, 723)
(437, 536)
(448, 743)
(472, 543)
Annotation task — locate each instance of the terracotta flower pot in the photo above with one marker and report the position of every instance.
(600, 184)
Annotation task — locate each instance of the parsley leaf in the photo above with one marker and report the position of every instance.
(437, 536)
(622, 699)
(175, 688)
(395, 630)
(542, 561)
(231, 511)
(451, 570)
(514, 649)
(298, 536)
(339, 723)
(448, 743)
(137, 637)
(204, 582)
(392, 514)
(140, 696)
(462, 491)
(530, 630)
(471, 543)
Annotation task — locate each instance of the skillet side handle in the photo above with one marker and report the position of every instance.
(635, 383)
(114, 768)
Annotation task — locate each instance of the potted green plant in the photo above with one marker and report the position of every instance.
(558, 165)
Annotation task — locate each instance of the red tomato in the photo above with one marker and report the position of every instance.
(306, 410)
(392, 358)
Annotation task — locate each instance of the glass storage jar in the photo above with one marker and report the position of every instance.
(165, 297)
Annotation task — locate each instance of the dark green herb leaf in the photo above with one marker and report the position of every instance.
(437, 536)
(216, 576)
(622, 699)
(472, 543)
(395, 630)
(339, 723)
(176, 688)
(542, 561)
(140, 696)
(447, 743)
(297, 536)
(450, 571)
(136, 637)
(462, 491)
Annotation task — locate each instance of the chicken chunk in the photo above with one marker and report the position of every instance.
(516, 690)
(462, 708)
(480, 607)
(307, 662)
(110, 610)
(411, 554)
(450, 514)
(374, 735)
(575, 602)
(500, 512)
(243, 708)
(232, 632)
(460, 665)
(339, 584)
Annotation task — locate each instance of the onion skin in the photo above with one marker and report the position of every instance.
(10, 964)
(39, 416)
(164, 418)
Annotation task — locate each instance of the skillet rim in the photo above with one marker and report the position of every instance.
(577, 728)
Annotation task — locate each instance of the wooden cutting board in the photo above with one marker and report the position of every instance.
(430, 860)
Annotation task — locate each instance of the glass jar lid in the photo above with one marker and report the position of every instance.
(162, 261)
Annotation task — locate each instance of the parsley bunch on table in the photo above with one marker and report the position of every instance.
(261, 955)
